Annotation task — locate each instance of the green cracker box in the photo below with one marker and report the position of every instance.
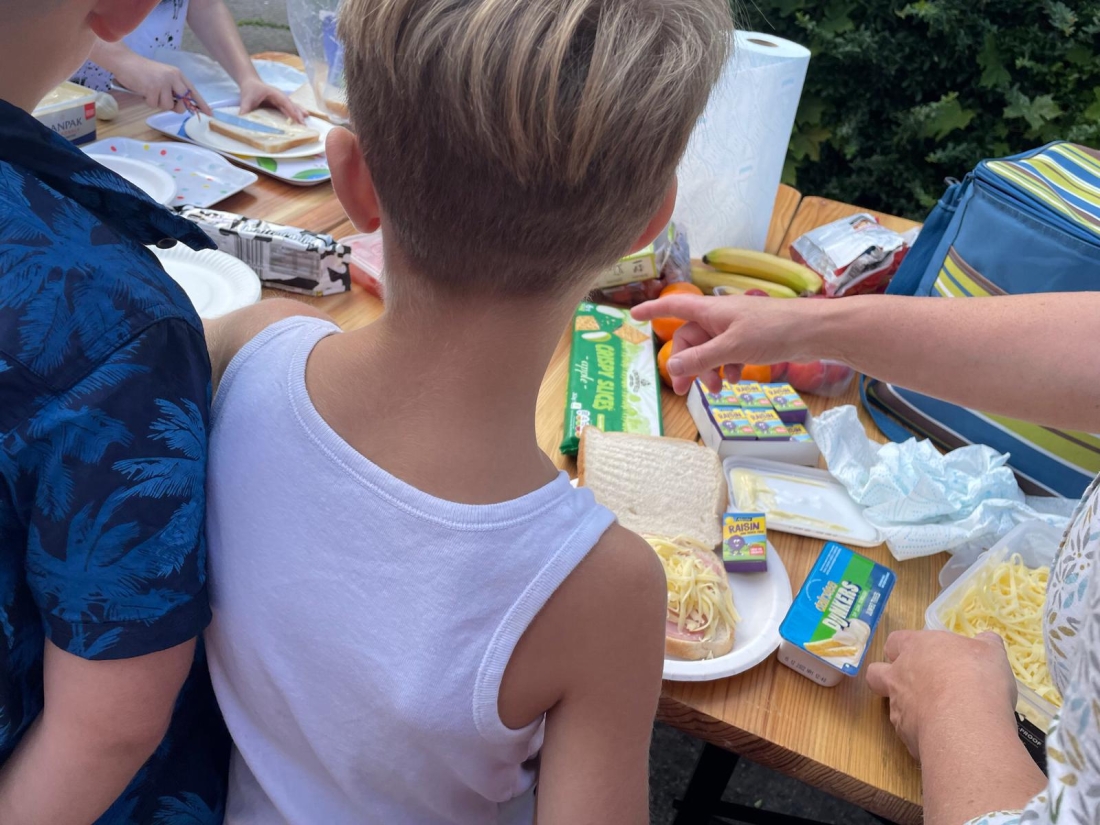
(613, 381)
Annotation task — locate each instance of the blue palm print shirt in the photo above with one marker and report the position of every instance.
(104, 404)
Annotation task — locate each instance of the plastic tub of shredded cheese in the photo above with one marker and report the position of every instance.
(1005, 587)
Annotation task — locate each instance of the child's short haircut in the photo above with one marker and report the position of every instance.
(518, 146)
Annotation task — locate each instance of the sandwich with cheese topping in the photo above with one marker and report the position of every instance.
(701, 616)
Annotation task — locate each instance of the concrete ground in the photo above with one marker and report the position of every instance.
(263, 26)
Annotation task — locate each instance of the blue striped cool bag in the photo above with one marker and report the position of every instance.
(1023, 224)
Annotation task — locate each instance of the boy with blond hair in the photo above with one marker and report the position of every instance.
(415, 616)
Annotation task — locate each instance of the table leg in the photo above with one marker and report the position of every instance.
(702, 802)
(708, 783)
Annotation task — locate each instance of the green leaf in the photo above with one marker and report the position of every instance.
(1093, 111)
(311, 174)
(267, 164)
(806, 142)
(1061, 16)
(994, 73)
(945, 116)
(1036, 112)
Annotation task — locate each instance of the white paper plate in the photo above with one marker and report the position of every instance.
(762, 600)
(215, 282)
(198, 129)
(203, 178)
(154, 182)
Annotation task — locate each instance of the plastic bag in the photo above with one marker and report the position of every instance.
(855, 255)
(313, 24)
(641, 276)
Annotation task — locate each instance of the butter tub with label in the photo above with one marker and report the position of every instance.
(69, 110)
(832, 620)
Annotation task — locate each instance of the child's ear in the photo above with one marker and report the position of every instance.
(352, 180)
(112, 20)
(659, 220)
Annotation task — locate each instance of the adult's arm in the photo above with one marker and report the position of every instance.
(1027, 356)
(100, 723)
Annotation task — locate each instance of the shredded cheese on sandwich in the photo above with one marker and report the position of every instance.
(699, 598)
(1009, 599)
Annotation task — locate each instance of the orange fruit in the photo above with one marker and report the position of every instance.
(665, 328)
(757, 373)
(681, 288)
(662, 363)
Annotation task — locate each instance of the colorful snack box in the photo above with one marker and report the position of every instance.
(726, 397)
(790, 408)
(732, 423)
(613, 381)
(744, 542)
(833, 618)
(767, 426)
(799, 433)
(751, 396)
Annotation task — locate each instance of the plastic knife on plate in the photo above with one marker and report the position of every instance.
(245, 123)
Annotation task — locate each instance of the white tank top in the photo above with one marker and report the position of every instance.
(361, 627)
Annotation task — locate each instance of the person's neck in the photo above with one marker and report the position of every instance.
(443, 394)
(33, 59)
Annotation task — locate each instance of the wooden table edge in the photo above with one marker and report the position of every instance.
(722, 734)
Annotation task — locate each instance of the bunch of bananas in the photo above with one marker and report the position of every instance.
(742, 270)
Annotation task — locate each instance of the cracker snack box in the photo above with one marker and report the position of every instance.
(613, 381)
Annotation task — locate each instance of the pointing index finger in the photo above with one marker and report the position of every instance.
(688, 307)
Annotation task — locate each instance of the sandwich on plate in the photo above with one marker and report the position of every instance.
(289, 135)
(672, 492)
(701, 616)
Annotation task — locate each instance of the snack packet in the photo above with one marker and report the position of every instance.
(641, 276)
(855, 255)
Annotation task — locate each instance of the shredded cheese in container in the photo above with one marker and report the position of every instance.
(699, 598)
(1008, 599)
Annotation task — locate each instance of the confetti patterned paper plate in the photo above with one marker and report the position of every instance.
(203, 178)
(297, 172)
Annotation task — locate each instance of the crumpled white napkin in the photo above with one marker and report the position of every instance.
(925, 502)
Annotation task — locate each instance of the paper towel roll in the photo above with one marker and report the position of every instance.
(731, 170)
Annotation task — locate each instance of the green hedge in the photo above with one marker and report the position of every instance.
(901, 95)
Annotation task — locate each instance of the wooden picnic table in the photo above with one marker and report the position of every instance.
(838, 739)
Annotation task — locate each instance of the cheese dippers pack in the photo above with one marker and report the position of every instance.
(833, 618)
(613, 382)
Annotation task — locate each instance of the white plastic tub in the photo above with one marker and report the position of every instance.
(1037, 544)
(69, 110)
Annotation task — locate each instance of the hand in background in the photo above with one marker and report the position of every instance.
(160, 84)
(256, 94)
(733, 331)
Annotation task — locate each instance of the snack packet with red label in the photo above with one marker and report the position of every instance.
(855, 255)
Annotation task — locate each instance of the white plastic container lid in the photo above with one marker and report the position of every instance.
(1037, 544)
(804, 501)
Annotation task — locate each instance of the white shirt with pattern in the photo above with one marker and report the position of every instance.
(163, 28)
(1072, 632)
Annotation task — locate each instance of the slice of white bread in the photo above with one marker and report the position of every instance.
(337, 104)
(293, 134)
(656, 486)
(694, 650)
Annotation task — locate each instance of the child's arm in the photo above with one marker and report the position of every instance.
(226, 335)
(609, 620)
(213, 24)
(102, 721)
(161, 85)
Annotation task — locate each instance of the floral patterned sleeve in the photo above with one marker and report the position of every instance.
(1072, 796)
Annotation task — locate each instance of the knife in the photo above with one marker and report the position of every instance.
(245, 123)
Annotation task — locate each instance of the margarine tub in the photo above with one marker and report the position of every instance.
(833, 618)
